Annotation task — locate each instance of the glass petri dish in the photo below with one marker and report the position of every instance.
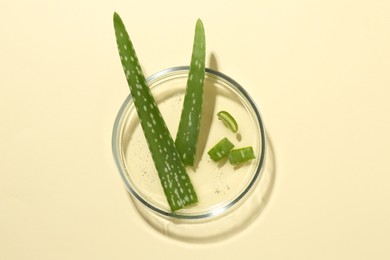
(221, 187)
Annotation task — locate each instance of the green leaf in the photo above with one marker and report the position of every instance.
(241, 155)
(173, 176)
(228, 120)
(220, 150)
(188, 130)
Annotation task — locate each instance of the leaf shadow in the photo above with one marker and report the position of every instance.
(208, 111)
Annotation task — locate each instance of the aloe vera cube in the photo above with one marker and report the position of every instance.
(220, 150)
(174, 179)
(189, 125)
(241, 155)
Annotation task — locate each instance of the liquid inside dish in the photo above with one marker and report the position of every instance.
(217, 184)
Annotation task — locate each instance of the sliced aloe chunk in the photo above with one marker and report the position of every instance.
(228, 120)
(220, 150)
(171, 171)
(241, 155)
(188, 130)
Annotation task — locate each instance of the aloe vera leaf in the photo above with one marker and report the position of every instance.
(240, 155)
(228, 120)
(174, 179)
(220, 150)
(189, 125)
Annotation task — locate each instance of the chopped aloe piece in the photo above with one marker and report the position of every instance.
(171, 171)
(241, 155)
(188, 130)
(228, 120)
(220, 150)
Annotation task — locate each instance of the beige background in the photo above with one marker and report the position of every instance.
(319, 71)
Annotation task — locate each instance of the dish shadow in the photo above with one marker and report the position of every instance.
(183, 231)
(255, 204)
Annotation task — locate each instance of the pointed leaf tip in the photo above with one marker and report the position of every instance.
(199, 23)
(117, 19)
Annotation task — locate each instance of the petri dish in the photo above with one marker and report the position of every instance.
(222, 188)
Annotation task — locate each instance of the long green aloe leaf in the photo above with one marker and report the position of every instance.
(172, 173)
(188, 131)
